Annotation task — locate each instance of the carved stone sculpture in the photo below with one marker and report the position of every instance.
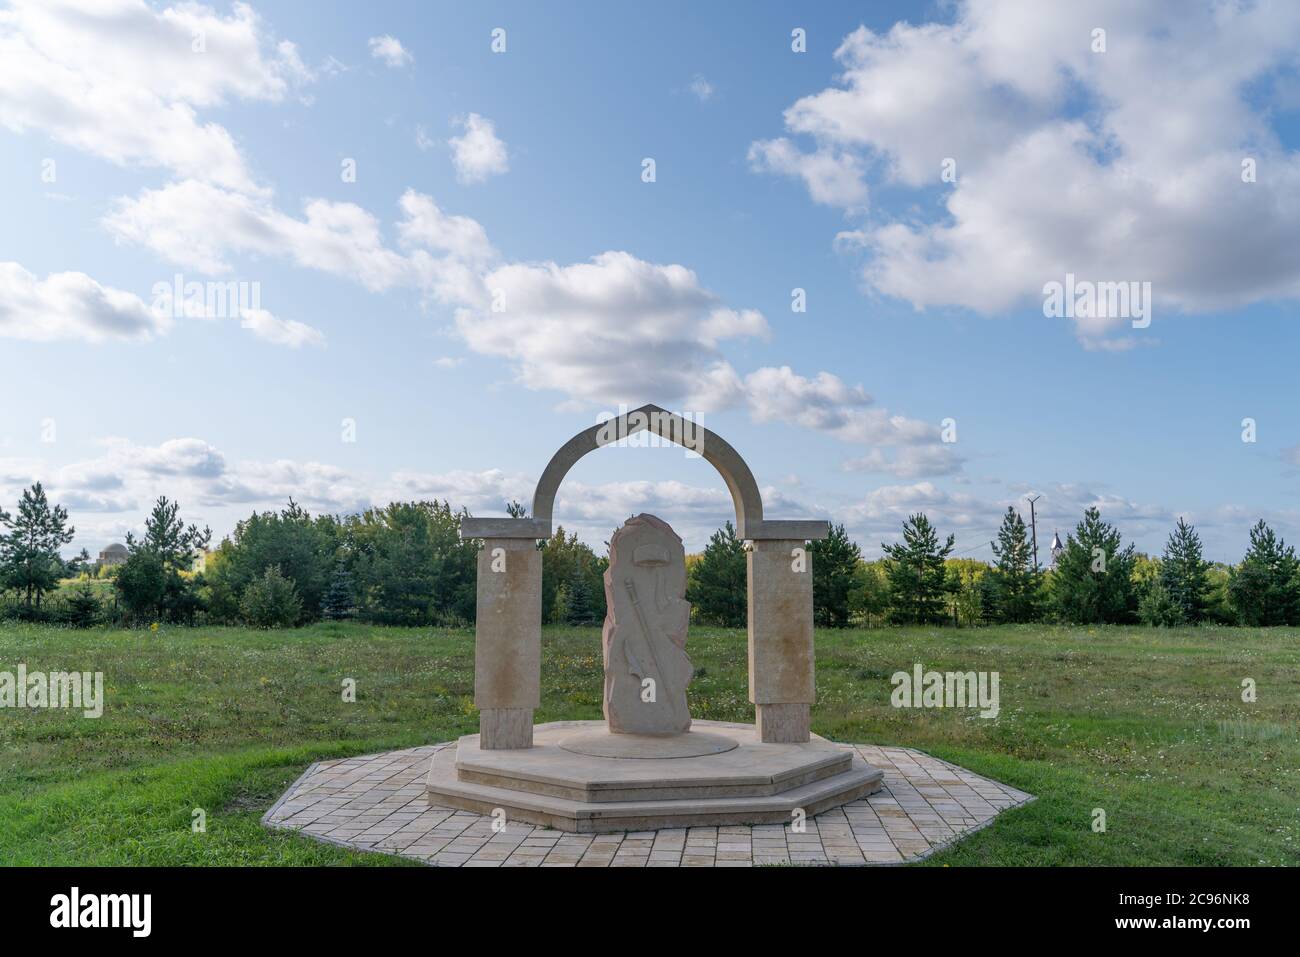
(646, 667)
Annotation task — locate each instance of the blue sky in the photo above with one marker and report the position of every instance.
(520, 173)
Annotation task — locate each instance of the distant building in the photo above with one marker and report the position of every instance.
(115, 554)
(200, 562)
(1057, 547)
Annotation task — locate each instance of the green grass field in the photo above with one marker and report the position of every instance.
(1147, 724)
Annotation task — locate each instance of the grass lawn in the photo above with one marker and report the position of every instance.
(1147, 724)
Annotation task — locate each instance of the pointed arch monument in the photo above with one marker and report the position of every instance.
(507, 651)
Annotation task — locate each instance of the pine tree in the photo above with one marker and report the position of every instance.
(917, 576)
(564, 557)
(29, 552)
(150, 581)
(718, 581)
(339, 602)
(834, 561)
(166, 536)
(1184, 574)
(1093, 583)
(578, 598)
(1015, 584)
(1265, 588)
(83, 607)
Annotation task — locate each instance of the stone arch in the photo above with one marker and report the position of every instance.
(745, 495)
(507, 646)
(672, 427)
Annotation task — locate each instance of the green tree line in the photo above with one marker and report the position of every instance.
(406, 564)
(1096, 579)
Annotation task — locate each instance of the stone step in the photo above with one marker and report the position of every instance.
(614, 791)
(723, 761)
(447, 789)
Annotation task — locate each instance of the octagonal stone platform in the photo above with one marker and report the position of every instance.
(731, 778)
(378, 802)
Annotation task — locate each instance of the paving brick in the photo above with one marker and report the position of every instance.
(377, 802)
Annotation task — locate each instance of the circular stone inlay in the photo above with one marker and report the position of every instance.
(603, 744)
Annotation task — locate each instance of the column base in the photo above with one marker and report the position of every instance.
(783, 723)
(505, 729)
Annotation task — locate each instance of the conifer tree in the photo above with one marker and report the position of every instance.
(1184, 574)
(83, 606)
(339, 602)
(1265, 588)
(1015, 583)
(29, 552)
(565, 558)
(917, 576)
(150, 581)
(578, 596)
(1093, 582)
(718, 582)
(834, 561)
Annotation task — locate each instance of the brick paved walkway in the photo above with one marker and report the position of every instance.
(377, 803)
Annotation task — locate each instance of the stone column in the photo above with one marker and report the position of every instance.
(508, 642)
(781, 660)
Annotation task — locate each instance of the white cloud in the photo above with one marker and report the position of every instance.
(821, 403)
(1063, 503)
(621, 330)
(483, 493)
(899, 501)
(1116, 166)
(390, 50)
(833, 177)
(827, 404)
(701, 88)
(122, 81)
(315, 485)
(974, 519)
(202, 226)
(425, 225)
(189, 457)
(71, 306)
(879, 516)
(694, 512)
(615, 329)
(909, 462)
(127, 477)
(280, 332)
(612, 330)
(477, 153)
